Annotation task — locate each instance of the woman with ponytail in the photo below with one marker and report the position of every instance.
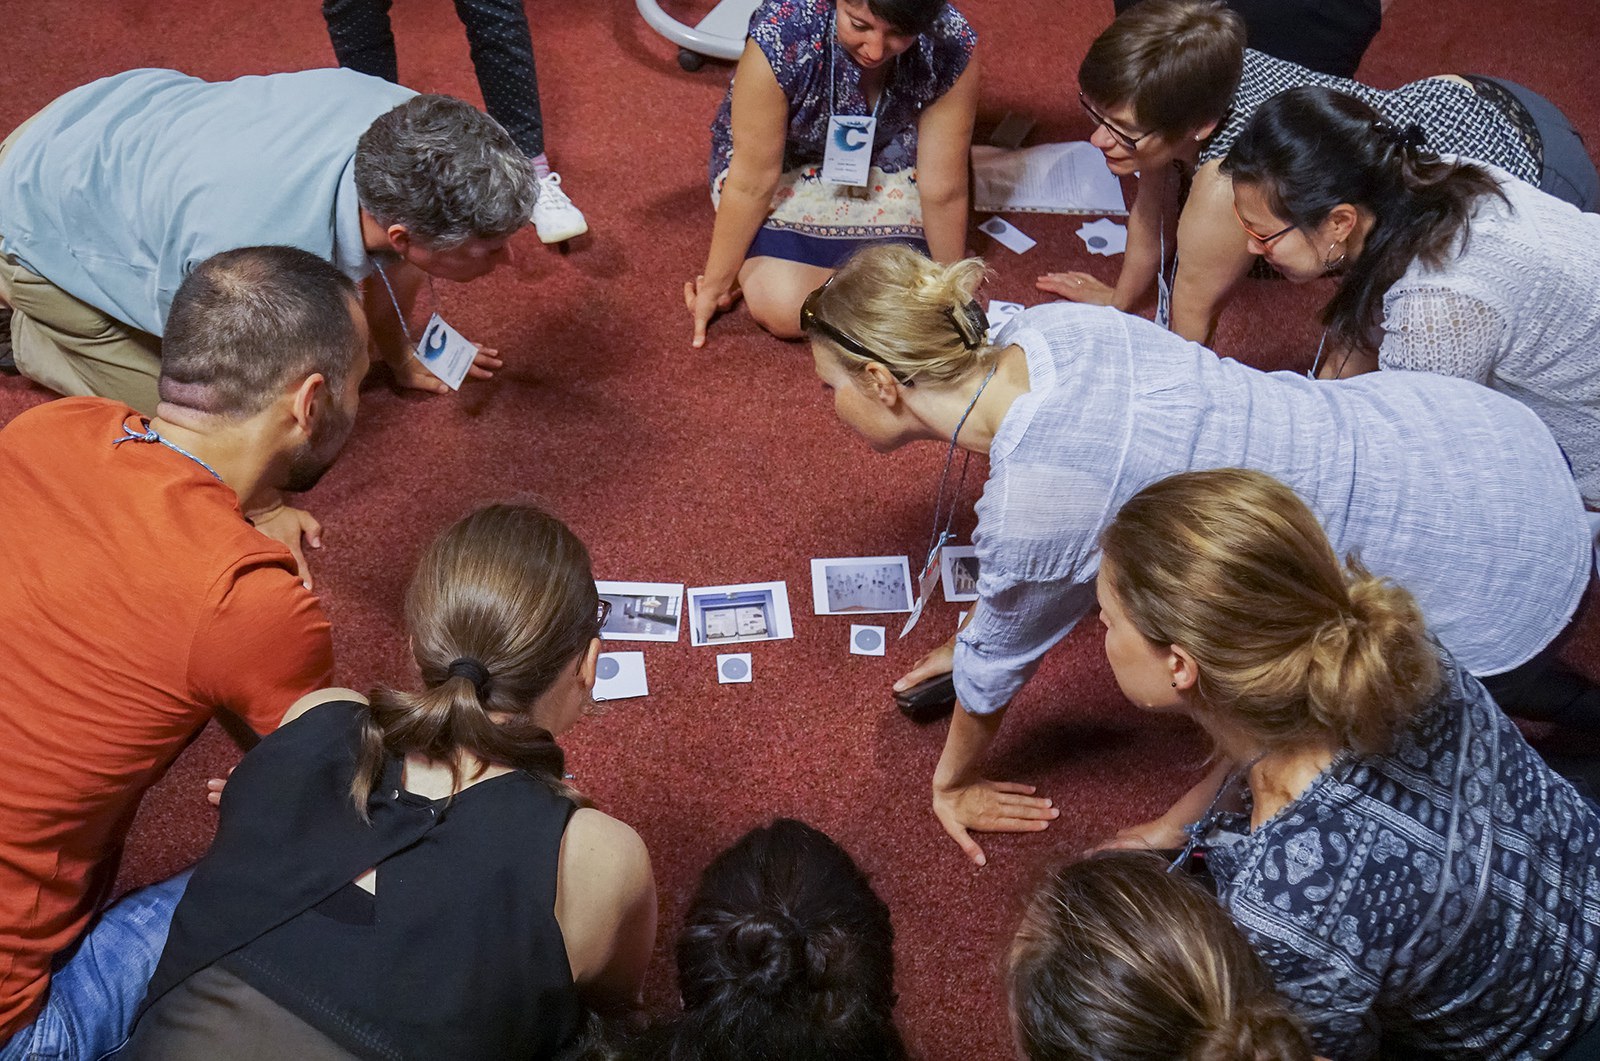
(1443, 265)
(1119, 960)
(1167, 89)
(1076, 408)
(408, 875)
(1409, 869)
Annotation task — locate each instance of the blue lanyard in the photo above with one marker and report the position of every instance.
(149, 435)
(939, 538)
(401, 317)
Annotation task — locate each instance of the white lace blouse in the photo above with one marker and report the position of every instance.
(1515, 307)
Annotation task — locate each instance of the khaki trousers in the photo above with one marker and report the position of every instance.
(66, 344)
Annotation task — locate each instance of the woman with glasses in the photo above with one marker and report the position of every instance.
(847, 121)
(1170, 85)
(1408, 868)
(1443, 266)
(1450, 487)
(408, 875)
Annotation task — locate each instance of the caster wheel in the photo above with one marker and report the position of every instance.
(690, 61)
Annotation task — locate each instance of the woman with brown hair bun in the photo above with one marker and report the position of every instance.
(1408, 868)
(412, 877)
(1118, 959)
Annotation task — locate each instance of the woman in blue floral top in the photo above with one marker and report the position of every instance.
(781, 226)
(1412, 873)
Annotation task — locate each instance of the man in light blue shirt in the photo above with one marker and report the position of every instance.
(115, 191)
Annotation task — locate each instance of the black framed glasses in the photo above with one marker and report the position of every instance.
(812, 321)
(1127, 141)
(1265, 241)
(601, 613)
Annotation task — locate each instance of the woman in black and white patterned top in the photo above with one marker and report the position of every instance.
(1169, 86)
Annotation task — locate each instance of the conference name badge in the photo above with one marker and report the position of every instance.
(445, 352)
(847, 159)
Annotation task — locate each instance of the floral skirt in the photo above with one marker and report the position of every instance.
(818, 223)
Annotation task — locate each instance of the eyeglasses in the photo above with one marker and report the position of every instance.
(601, 614)
(1129, 142)
(1265, 241)
(811, 320)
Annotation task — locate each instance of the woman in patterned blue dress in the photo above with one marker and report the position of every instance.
(781, 225)
(1409, 869)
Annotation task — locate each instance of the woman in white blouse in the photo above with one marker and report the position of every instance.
(1443, 266)
(1456, 492)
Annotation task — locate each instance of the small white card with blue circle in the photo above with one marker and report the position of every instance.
(733, 669)
(620, 676)
(445, 352)
(866, 640)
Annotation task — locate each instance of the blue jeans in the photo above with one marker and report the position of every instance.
(97, 986)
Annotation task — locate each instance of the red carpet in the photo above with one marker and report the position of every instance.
(727, 465)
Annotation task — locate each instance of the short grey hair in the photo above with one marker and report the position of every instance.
(446, 171)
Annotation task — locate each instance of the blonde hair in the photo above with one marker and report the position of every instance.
(1119, 960)
(902, 305)
(1233, 567)
(508, 587)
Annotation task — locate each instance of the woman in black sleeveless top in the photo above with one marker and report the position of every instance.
(411, 878)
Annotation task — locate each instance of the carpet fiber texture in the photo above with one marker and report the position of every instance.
(726, 465)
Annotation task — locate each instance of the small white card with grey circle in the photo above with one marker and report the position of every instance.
(866, 640)
(620, 676)
(734, 668)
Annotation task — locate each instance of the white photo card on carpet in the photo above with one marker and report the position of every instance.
(728, 615)
(959, 572)
(861, 585)
(642, 611)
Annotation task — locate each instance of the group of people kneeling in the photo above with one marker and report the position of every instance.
(371, 838)
(1343, 584)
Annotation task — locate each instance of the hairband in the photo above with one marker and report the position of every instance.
(475, 672)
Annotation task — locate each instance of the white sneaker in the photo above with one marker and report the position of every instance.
(554, 216)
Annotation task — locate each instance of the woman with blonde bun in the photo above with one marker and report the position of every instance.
(1119, 960)
(1453, 489)
(1412, 873)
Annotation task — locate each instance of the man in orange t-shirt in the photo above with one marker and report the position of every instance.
(137, 601)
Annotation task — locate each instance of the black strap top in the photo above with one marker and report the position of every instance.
(458, 954)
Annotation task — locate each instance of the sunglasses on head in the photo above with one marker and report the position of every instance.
(971, 324)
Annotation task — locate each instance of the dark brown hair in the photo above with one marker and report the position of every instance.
(1310, 149)
(1177, 63)
(1119, 960)
(509, 587)
(248, 322)
(786, 954)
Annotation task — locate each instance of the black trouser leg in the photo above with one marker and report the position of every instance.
(362, 39)
(502, 57)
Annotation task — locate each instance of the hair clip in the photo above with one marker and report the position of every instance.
(1412, 136)
(971, 323)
